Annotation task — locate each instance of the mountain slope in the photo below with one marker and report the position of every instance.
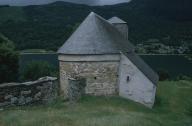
(48, 26)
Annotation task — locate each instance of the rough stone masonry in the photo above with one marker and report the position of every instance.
(101, 77)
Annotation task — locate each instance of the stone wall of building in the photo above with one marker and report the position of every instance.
(101, 77)
(43, 91)
(106, 75)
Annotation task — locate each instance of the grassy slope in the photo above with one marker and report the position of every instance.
(173, 108)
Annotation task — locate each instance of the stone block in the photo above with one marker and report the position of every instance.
(28, 100)
(8, 97)
(39, 87)
(14, 100)
(21, 100)
(2, 104)
(37, 96)
(26, 92)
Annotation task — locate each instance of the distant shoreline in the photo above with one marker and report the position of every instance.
(141, 54)
(37, 53)
(42, 51)
(165, 54)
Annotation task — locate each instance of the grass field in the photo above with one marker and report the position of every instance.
(173, 108)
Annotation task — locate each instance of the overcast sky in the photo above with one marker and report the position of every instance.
(36, 2)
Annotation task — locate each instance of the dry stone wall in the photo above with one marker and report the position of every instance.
(43, 91)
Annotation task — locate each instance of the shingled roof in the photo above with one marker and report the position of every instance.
(116, 20)
(96, 36)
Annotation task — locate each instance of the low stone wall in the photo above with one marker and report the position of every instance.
(43, 90)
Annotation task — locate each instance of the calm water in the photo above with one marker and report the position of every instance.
(174, 64)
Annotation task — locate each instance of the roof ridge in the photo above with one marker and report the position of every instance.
(116, 20)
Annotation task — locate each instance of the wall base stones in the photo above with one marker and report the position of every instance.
(76, 89)
(43, 90)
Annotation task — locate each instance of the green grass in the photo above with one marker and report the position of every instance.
(173, 108)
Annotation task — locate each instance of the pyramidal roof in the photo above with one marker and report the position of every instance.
(116, 20)
(96, 36)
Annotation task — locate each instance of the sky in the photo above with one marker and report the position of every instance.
(37, 2)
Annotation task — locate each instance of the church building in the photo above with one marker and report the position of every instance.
(99, 51)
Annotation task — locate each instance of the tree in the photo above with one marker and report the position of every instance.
(163, 75)
(9, 60)
(37, 69)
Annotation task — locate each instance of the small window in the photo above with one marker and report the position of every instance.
(128, 78)
(95, 78)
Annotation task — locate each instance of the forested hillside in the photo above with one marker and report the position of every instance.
(48, 26)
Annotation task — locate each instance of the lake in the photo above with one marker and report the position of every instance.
(174, 64)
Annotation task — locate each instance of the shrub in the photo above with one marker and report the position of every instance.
(37, 69)
(158, 101)
(189, 108)
(9, 61)
(183, 77)
(163, 75)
